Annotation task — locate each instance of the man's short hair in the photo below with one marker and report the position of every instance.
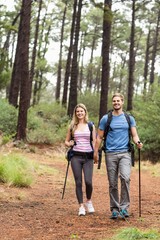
(118, 95)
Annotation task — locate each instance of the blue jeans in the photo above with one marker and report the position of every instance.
(119, 164)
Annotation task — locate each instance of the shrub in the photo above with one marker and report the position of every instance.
(8, 118)
(148, 127)
(47, 123)
(15, 170)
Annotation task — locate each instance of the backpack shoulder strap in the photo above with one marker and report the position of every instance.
(108, 123)
(128, 119)
(90, 125)
(127, 115)
(107, 127)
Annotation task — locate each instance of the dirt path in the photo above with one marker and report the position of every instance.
(39, 213)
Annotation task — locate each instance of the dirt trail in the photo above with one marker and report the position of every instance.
(38, 212)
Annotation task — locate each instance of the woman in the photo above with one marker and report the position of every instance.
(83, 140)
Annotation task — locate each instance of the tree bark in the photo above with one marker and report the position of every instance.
(155, 43)
(23, 67)
(145, 74)
(131, 61)
(58, 85)
(74, 70)
(34, 53)
(70, 51)
(107, 21)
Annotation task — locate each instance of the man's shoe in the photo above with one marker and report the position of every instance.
(82, 211)
(124, 213)
(90, 207)
(114, 215)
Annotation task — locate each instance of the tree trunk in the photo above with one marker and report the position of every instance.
(34, 53)
(23, 55)
(4, 53)
(90, 70)
(155, 43)
(58, 85)
(107, 21)
(145, 74)
(131, 61)
(74, 70)
(68, 64)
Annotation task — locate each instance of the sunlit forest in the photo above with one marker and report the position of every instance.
(55, 54)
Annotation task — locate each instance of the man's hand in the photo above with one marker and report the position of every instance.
(139, 144)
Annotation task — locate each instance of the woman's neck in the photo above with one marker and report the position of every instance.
(81, 121)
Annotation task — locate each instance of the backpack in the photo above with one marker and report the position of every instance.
(107, 128)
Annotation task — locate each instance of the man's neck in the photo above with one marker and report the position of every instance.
(117, 112)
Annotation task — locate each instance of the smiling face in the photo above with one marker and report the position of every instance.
(117, 103)
(80, 113)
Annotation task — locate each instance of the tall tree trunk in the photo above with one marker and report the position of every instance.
(16, 73)
(23, 49)
(4, 54)
(145, 74)
(68, 64)
(131, 61)
(90, 70)
(41, 55)
(107, 22)
(155, 43)
(34, 53)
(74, 70)
(81, 70)
(58, 85)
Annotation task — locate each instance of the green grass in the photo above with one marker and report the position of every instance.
(16, 170)
(154, 169)
(136, 234)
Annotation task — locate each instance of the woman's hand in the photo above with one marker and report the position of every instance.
(71, 143)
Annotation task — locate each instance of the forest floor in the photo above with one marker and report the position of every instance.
(39, 213)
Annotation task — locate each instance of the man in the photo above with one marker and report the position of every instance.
(117, 155)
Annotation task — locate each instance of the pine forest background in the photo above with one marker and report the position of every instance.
(55, 54)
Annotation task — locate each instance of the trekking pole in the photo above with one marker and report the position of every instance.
(65, 180)
(99, 158)
(139, 160)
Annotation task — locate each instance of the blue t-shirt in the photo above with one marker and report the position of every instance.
(118, 135)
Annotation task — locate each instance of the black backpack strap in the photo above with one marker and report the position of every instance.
(129, 123)
(107, 129)
(90, 125)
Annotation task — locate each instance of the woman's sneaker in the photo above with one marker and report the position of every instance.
(82, 211)
(90, 207)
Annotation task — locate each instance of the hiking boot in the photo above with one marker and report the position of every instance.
(114, 215)
(124, 213)
(82, 211)
(90, 207)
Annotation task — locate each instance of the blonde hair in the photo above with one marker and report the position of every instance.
(75, 120)
(118, 95)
